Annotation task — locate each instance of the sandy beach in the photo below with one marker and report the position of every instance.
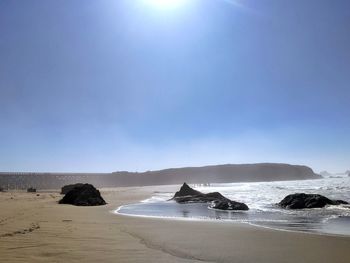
(35, 228)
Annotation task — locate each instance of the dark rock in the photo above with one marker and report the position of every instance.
(217, 200)
(65, 189)
(31, 190)
(228, 205)
(199, 198)
(186, 190)
(341, 202)
(301, 200)
(83, 195)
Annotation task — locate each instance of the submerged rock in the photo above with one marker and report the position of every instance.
(188, 195)
(83, 195)
(301, 200)
(65, 189)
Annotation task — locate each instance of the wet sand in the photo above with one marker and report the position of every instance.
(37, 229)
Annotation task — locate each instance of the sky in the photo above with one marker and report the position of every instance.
(101, 86)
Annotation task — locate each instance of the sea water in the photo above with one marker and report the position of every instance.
(261, 197)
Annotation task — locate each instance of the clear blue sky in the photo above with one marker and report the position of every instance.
(134, 85)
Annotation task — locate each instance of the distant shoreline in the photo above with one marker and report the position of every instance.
(259, 172)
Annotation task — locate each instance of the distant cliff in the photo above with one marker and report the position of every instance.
(208, 174)
(220, 174)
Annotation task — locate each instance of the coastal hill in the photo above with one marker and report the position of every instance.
(208, 174)
(226, 173)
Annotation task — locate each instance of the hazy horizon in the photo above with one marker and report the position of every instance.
(103, 86)
(165, 168)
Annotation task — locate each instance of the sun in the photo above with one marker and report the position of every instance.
(166, 4)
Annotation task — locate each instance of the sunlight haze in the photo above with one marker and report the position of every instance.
(101, 86)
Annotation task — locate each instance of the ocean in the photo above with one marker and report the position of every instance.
(261, 197)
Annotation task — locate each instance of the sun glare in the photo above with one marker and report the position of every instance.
(166, 4)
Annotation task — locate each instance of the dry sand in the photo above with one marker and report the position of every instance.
(37, 229)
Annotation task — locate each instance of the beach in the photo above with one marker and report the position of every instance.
(35, 228)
